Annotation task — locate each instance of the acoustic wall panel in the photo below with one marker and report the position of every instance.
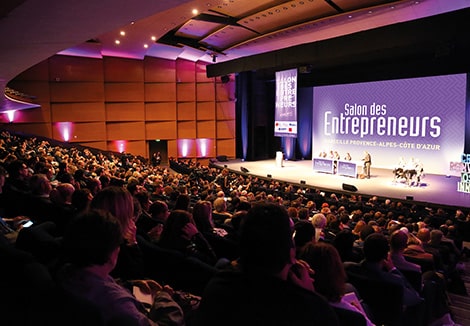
(82, 132)
(160, 111)
(206, 129)
(123, 70)
(185, 71)
(186, 129)
(225, 110)
(124, 92)
(201, 73)
(70, 92)
(186, 111)
(205, 92)
(159, 70)
(125, 130)
(226, 147)
(160, 92)
(226, 129)
(63, 68)
(186, 92)
(38, 72)
(133, 111)
(205, 110)
(78, 112)
(161, 130)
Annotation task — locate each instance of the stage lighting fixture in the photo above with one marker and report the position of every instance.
(244, 170)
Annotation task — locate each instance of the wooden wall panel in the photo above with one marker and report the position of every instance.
(123, 70)
(161, 130)
(70, 92)
(205, 92)
(172, 148)
(206, 129)
(225, 92)
(134, 111)
(125, 130)
(135, 147)
(187, 148)
(186, 111)
(186, 92)
(226, 129)
(43, 129)
(84, 132)
(38, 72)
(41, 115)
(160, 92)
(63, 68)
(185, 71)
(225, 110)
(159, 70)
(160, 111)
(101, 145)
(78, 112)
(201, 74)
(205, 110)
(226, 147)
(186, 129)
(124, 92)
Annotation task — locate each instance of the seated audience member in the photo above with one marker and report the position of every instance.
(151, 226)
(344, 243)
(120, 203)
(218, 238)
(378, 265)
(91, 246)
(319, 222)
(180, 233)
(268, 286)
(330, 278)
(220, 213)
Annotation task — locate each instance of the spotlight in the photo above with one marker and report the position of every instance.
(214, 58)
(244, 170)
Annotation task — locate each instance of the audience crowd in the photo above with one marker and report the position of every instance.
(116, 239)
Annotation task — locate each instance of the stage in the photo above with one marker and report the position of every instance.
(435, 189)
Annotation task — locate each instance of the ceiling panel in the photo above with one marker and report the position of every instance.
(227, 37)
(197, 29)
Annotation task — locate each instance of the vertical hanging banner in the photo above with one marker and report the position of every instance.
(285, 115)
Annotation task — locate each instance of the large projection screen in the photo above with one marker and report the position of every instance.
(418, 118)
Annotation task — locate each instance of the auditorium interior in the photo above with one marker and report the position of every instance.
(195, 79)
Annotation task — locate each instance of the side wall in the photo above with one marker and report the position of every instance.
(112, 101)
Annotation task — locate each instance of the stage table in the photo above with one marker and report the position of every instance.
(327, 165)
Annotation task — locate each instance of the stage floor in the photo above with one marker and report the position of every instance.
(435, 189)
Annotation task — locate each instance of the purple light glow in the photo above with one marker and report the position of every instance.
(121, 145)
(203, 147)
(65, 129)
(11, 115)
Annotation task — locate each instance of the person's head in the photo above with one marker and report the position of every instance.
(436, 237)
(366, 231)
(202, 215)
(220, 205)
(304, 233)
(93, 239)
(424, 235)
(182, 202)
(319, 221)
(266, 244)
(118, 201)
(40, 185)
(398, 241)
(330, 277)
(376, 248)
(173, 229)
(159, 210)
